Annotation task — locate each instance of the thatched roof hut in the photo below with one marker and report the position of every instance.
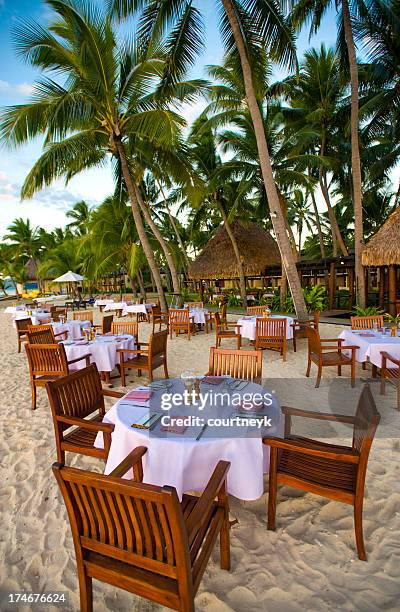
(383, 249)
(217, 260)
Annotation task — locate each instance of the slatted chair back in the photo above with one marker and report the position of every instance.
(236, 363)
(125, 327)
(106, 324)
(135, 523)
(270, 330)
(217, 319)
(41, 334)
(47, 359)
(82, 315)
(77, 395)
(158, 344)
(366, 421)
(195, 304)
(179, 317)
(256, 310)
(367, 322)
(314, 341)
(222, 312)
(56, 312)
(22, 325)
(316, 319)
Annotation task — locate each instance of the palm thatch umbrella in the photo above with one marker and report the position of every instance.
(383, 249)
(217, 260)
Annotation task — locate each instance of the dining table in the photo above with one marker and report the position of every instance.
(103, 302)
(185, 457)
(37, 316)
(137, 308)
(248, 326)
(103, 350)
(371, 343)
(73, 329)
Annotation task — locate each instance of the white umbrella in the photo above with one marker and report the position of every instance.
(69, 277)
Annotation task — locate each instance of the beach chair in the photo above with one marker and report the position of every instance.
(77, 407)
(140, 537)
(243, 364)
(22, 326)
(328, 355)
(149, 359)
(335, 472)
(271, 334)
(299, 327)
(390, 373)
(224, 330)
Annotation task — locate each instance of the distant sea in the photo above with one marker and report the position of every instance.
(9, 288)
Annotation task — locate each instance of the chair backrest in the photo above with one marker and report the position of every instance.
(106, 323)
(317, 317)
(76, 395)
(314, 341)
(270, 327)
(136, 523)
(158, 344)
(83, 315)
(236, 363)
(195, 304)
(222, 312)
(254, 310)
(217, 319)
(179, 316)
(47, 359)
(156, 310)
(367, 419)
(125, 327)
(57, 312)
(367, 322)
(22, 325)
(41, 334)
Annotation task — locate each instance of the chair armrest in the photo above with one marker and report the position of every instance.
(87, 357)
(337, 340)
(348, 456)
(133, 351)
(388, 357)
(134, 461)
(110, 393)
(64, 333)
(322, 416)
(85, 424)
(143, 344)
(200, 512)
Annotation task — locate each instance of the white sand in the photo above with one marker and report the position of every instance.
(308, 563)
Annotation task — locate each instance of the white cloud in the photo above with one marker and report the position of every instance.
(5, 86)
(24, 89)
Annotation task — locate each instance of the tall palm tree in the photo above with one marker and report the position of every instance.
(23, 239)
(246, 27)
(80, 215)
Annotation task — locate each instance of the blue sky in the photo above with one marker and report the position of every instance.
(48, 207)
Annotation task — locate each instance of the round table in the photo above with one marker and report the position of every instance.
(103, 351)
(248, 326)
(186, 463)
(371, 345)
(199, 315)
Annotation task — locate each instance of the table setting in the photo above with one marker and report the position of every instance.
(74, 329)
(248, 326)
(103, 349)
(217, 419)
(371, 343)
(37, 315)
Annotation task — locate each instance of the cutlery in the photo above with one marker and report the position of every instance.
(201, 432)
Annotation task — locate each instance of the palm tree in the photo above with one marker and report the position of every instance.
(80, 215)
(111, 97)
(23, 239)
(246, 28)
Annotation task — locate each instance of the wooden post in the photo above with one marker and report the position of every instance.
(350, 272)
(381, 282)
(332, 284)
(201, 290)
(392, 289)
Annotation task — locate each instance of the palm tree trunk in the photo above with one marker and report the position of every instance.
(318, 224)
(283, 291)
(130, 187)
(278, 221)
(175, 228)
(168, 256)
(141, 284)
(337, 238)
(133, 285)
(355, 158)
(232, 238)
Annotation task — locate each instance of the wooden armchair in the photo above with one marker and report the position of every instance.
(125, 327)
(256, 310)
(367, 322)
(195, 305)
(226, 330)
(83, 315)
(73, 399)
(180, 319)
(58, 311)
(149, 359)
(44, 334)
(139, 537)
(271, 334)
(246, 365)
(324, 355)
(299, 327)
(335, 472)
(106, 323)
(22, 326)
(48, 362)
(158, 317)
(390, 373)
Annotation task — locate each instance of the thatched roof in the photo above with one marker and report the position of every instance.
(217, 260)
(383, 248)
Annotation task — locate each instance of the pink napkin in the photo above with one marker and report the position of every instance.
(138, 395)
(174, 428)
(365, 334)
(213, 380)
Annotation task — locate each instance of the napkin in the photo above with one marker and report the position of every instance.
(174, 428)
(213, 380)
(81, 342)
(139, 394)
(366, 334)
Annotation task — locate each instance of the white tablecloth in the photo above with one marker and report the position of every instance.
(371, 347)
(184, 462)
(103, 302)
(50, 298)
(103, 352)
(199, 315)
(73, 328)
(115, 306)
(36, 317)
(135, 308)
(248, 326)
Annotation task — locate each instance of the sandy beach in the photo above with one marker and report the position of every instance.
(308, 563)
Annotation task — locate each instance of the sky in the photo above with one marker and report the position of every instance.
(48, 208)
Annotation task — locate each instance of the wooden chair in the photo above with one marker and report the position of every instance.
(223, 312)
(367, 322)
(329, 355)
(335, 472)
(236, 363)
(44, 334)
(256, 310)
(195, 305)
(48, 362)
(125, 327)
(106, 323)
(299, 327)
(158, 317)
(392, 374)
(73, 399)
(22, 326)
(226, 330)
(271, 334)
(150, 358)
(180, 319)
(139, 537)
(83, 315)
(56, 312)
